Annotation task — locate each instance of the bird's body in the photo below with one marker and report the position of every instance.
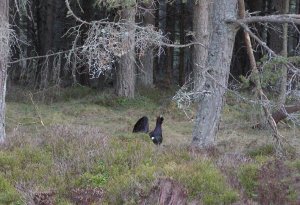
(156, 134)
(142, 125)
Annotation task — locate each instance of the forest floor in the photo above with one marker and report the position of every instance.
(75, 146)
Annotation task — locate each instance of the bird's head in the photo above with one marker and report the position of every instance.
(160, 119)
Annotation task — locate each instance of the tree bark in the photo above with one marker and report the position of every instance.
(293, 40)
(161, 17)
(4, 51)
(181, 65)
(146, 74)
(275, 39)
(284, 53)
(212, 76)
(201, 28)
(170, 31)
(125, 85)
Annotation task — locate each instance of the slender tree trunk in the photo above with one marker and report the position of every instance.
(146, 74)
(293, 40)
(4, 51)
(202, 34)
(49, 33)
(170, 30)
(182, 41)
(125, 84)
(284, 53)
(212, 77)
(156, 58)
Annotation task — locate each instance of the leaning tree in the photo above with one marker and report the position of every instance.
(4, 54)
(215, 26)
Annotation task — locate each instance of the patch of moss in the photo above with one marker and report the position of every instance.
(7, 162)
(295, 164)
(204, 179)
(265, 150)
(8, 194)
(27, 164)
(292, 195)
(248, 177)
(97, 177)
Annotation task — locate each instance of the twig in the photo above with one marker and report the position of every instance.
(36, 108)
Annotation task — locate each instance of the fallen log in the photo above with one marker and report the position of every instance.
(282, 113)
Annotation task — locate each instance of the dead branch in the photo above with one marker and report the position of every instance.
(36, 109)
(278, 137)
(260, 42)
(283, 18)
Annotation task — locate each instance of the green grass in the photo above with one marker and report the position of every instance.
(82, 138)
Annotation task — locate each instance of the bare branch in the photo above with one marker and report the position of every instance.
(183, 45)
(70, 12)
(263, 44)
(283, 18)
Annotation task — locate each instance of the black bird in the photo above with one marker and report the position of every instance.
(156, 134)
(142, 125)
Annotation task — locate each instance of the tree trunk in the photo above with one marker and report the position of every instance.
(156, 57)
(4, 50)
(170, 31)
(146, 74)
(293, 40)
(162, 16)
(212, 77)
(125, 84)
(284, 53)
(45, 17)
(182, 41)
(201, 28)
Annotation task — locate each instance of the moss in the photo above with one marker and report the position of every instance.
(30, 165)
(97, 177)
(296, 164)
(248, 177)
(94, 180)
(8, 194)
(61, 201)
(292, 195)
(7, 162)
(202, 178)
(265, 150)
